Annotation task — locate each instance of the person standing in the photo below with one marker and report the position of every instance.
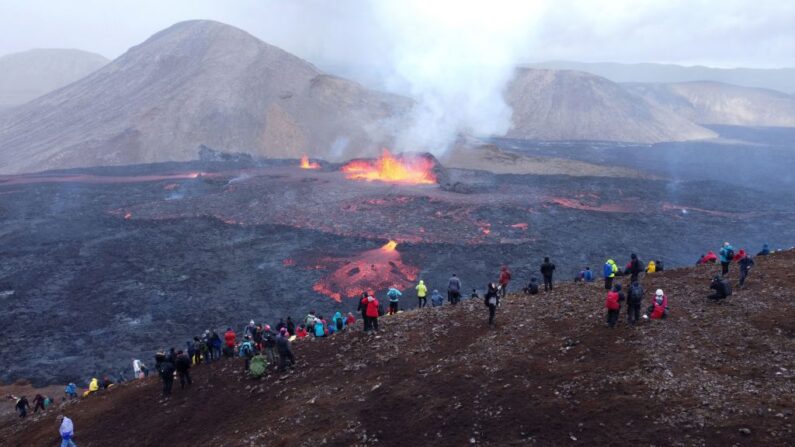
(22, 405)
(505, 278)
(229, 339)
(269, 342)
(745, 263)
(422, 294)
(183, 369)
(454, 290)
(609, 272)
(166, 370)
(363, 309)
(137, 372)
(394, 300)
(547, 269)
(38, 402)
(635, 268)
(372, 312)
(492, 301)
(634, 301)
(286, 357)
(726, 256)
(613, 305)
(67, 432)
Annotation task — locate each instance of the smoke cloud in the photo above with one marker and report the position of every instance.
(454, 58)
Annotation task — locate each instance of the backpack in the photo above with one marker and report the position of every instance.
(339, 324)
(245, 350)
(636, 294)
(729, 254)
(608, 270)
(258, 366)
(612, 301)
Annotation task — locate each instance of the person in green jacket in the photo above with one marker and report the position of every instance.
(422, 294)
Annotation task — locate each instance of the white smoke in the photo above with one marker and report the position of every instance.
(455, 58)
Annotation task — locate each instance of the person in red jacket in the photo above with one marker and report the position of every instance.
(300, 331)
(613, 305)
(659, 306)
(710, 258)
(372, 312)
(229, 339)
(350, 320)
(505, 278)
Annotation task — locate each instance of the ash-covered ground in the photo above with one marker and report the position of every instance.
(102, 265)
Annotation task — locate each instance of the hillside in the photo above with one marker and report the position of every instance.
(781, 79)
(549, 374)
(570, 105)
(197, 82)
(716, 103)
(30, 74)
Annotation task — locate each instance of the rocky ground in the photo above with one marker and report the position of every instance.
(551, 373)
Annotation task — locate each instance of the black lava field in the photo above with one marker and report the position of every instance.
(102, 265)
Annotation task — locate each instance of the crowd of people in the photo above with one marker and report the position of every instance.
(263, 347)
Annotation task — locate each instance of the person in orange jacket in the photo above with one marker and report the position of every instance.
(229, 340)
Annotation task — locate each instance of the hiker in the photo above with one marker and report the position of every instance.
(609, 272)
(659, 267)
(286, 358)
(454, 290)
(721, 287)
(363, 309)
(394, 298)
(93, 386)
(280, 325)
(635, 267)
(651, 267)
(38, 402)
(309, 322)
(710, 258)
(350, 320)
(372, 312)
(547, 269)
(182, 365)
(249, 329)
(765, 251)
(247, 351)
(726, 256)
(166, 370)
(257, 340)
(320, 326)
(229, 342)
(492, 301)
(300, 331)
(474, 295)
(532, 287)
(106, 383)
(437, 299)
(745, 263)
(338, 321)
(48, 401)
(586, 275)
(215, 345)
(290, 326)
(22, 405)
(505, 278)
(613, 305)
(269, 342)
(190, 348)
(67, 431)
(70, 392)
(659, 306)
(172, 355)
(634, 301)
(137, 371)
(422, 294)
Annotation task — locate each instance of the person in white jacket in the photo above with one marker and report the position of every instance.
(67, 431)
(137, 371)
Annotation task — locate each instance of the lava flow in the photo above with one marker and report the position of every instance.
(306, 164)
(372, 270)
(388, 168)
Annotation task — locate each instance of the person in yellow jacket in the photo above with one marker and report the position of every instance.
(610, 271)
(651, 268)
(422, 294)
(92, 387)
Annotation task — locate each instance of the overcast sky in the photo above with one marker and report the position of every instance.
(726, 33)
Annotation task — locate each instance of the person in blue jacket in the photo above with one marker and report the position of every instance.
(436, 299)
(394, 298)
(586, 275)
(726, 257)
(339, 322)
(765, 251)
(320, 327)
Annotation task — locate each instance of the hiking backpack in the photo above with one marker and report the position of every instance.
(729, 254)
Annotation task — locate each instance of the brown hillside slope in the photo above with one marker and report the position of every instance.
(550, 374)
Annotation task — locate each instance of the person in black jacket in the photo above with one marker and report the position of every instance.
(362, 307)
(532, 287)
(547, 269)
(492, 300)
(166, 370)
(290, 326)
(721, 287)
(286, 357)
(634, 301)
(183, 369)
(745, 265)
(635, 267)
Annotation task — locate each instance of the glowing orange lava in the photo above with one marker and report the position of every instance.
(388, 168)
(306, 164)
(389, 246)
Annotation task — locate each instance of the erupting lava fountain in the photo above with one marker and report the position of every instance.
(306, 164)
(403, 169)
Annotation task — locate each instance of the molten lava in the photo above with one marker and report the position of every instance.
(374, 270)
(306, 164)
(388, 168)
